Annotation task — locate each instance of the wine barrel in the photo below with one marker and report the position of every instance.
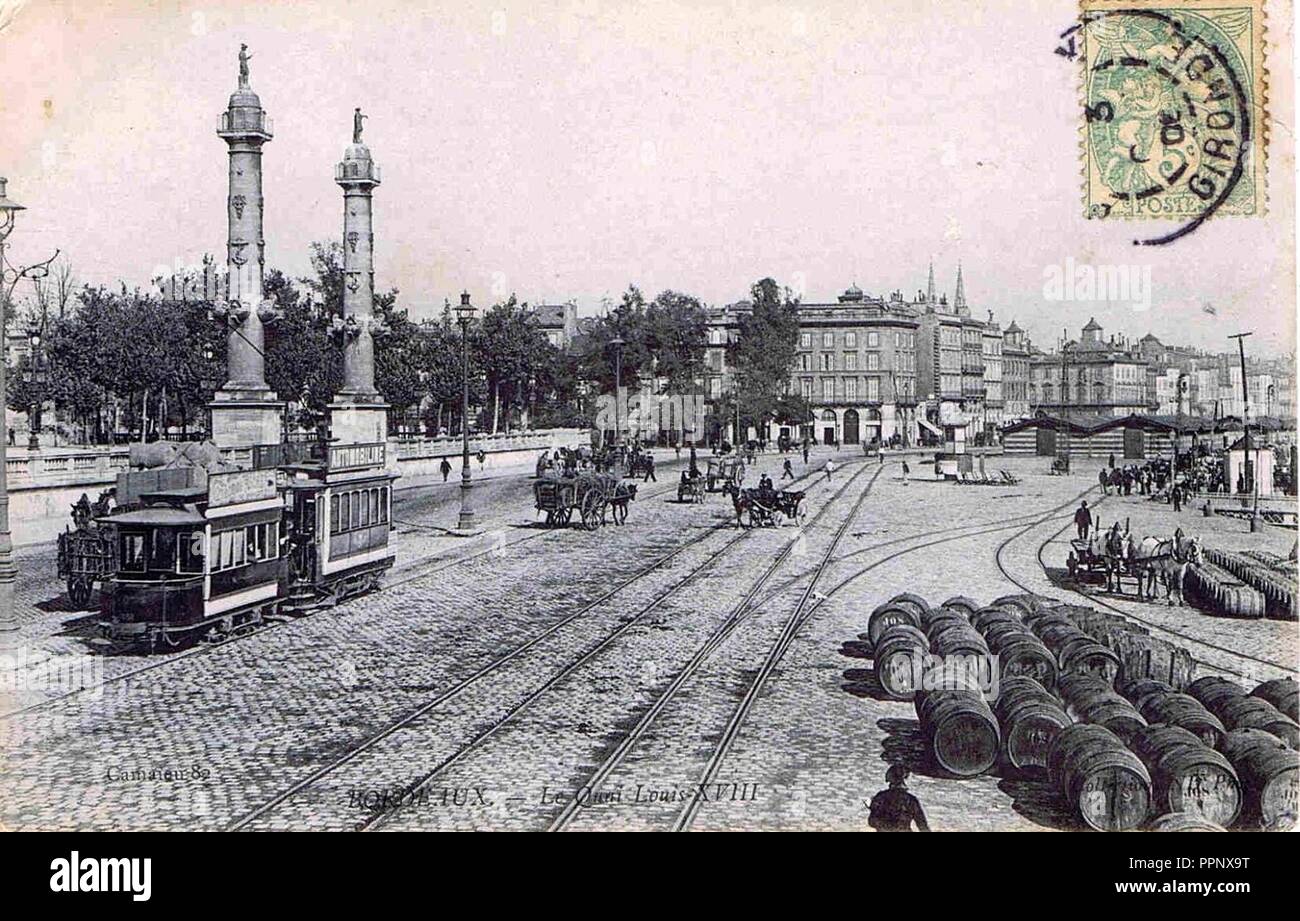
(899, 660)
(1025, 655)
(1144, 689)
(997, 631)
(1255, 713)
(984, 617)
(889, 615)
(1107, 785)
(1281, 693)
(1025, 605)
(916, 603)
(1185, 712)
(1270, 777)
(1092, 659)
(1187, 775)
(1183, 821)
(1030, 719)
(960, 731)
(963, 605)
(1213, 691)
(1090, 699)
(942, 618)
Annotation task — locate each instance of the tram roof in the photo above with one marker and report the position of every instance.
(157, 517)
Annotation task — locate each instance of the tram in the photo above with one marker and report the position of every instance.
(204, 554)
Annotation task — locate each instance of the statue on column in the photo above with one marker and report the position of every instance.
(244, 57)
(356, 125)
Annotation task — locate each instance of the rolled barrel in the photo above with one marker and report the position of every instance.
(1139, 691)
(1281, 693)
(1030, 720)
(1107, 785)
(1229, 702)
(918, 605)
(982, 619)
(1023, 654)
(1270, 777)
(1182, 821)
(1187, 775)
(962, 604)
(899, 660)
(1090, 699)
(889, 615)
(1186, 712)
(960, 730)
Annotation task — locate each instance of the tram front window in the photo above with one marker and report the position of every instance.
(164, 551)
(192, 552)
(132, 552)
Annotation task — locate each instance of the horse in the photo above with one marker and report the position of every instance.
(1166, 560)
(623, 494)
(1107, 548)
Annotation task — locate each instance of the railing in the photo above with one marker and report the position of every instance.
(290, 452)
(253, 121)
(357, 169)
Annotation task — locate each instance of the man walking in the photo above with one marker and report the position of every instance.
(906, 471)
(829, 469)
(1083, 520)
(1103, 480)
(805, 450)
(895, 809)
(649, 468)
(787, 472)
(445, 467)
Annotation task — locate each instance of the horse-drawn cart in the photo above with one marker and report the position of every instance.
(86, 552)
(589, 496)
(691, 488)
(724, 472)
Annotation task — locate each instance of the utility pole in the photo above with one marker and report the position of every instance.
(1252, 468)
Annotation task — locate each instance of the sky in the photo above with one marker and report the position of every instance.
(564, 150)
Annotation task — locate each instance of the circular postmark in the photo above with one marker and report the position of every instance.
(1168, 117)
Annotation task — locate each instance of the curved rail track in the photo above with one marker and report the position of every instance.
(626, 623)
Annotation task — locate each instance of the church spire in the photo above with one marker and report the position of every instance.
(959, 300)
(929, 291)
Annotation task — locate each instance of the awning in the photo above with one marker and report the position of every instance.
(929, 425)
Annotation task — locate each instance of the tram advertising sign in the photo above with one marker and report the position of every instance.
(238, 486)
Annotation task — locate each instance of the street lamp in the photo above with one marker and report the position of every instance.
(36, 377)
(9, 278)
(617, 343)
(464, 314)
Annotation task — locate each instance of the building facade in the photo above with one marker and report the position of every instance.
(1015, 373)
(1090, 377)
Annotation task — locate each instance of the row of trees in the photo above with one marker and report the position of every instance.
(127, 361)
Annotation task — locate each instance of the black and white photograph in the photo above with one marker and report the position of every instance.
(606, 415)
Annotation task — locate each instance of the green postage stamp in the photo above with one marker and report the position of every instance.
(1174, 114)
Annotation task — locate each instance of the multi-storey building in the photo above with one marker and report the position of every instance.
(1090, 378)
(994, 370)
(559, 322)
(1015, 373)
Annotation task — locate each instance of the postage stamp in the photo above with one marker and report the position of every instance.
(1174, 110)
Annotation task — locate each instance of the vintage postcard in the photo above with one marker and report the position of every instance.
(594, 415)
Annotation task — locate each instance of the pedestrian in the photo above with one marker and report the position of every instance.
(1112, 461)
(787, 472)
(678, 449)
(805, 446)
(11, 436)
(906, 471)
(482, 458)
(895, 809)
(445, 467)
(1083, 520)
(1103, 480)
(649, 468)
(829, 469)
(1177, 496)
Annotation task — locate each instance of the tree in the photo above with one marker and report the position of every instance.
(764, 351)
(677, 330)
(627, 322)
(512, 352)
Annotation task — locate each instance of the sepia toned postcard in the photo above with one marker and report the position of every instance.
(853, 415)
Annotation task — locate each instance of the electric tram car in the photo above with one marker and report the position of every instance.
(202, 555)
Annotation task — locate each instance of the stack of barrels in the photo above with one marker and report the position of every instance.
(1140, 654)
(1281, 693)
(1188, 776)
(1076, 652)
(1030, 718)
(1159, 703)
(960, 730)
(1217, 590)
(1238, 710)
(1017, 649)
(1089, 699)
(1105, 783)
(1270, 777)
(1278, 588)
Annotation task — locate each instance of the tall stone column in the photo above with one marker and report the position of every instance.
(358, 412)
(245, 410)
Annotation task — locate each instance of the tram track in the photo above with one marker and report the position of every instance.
(627, 622)
(414, 572)
(1144, 621)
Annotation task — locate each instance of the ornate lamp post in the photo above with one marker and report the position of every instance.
(35, 377)
(9, 278)
(464, 314)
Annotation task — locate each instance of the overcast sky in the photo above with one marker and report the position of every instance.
(566, 149)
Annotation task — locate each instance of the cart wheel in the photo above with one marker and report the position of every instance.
(590, 510)
(1072, 564)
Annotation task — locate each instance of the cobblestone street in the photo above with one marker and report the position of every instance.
(528, 678)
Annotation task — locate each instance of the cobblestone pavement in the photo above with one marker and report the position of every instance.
(251, 723)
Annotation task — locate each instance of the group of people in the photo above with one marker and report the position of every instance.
(1149, 479)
